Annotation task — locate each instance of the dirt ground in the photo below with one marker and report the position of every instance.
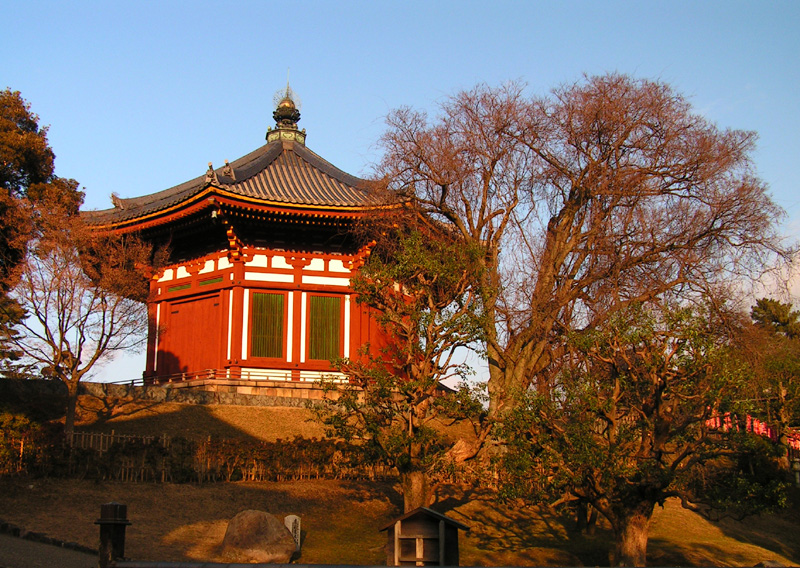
(187, 522)
(17, 552)
(341, 522)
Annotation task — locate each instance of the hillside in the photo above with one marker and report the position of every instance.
(340, 520)
(195, 421)
(246, 418)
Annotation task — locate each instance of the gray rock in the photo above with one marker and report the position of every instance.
(256, 536)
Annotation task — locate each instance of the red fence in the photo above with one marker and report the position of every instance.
(756, 426)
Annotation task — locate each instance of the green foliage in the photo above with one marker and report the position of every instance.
(26, 156)
(745, 483)
(780, 395)
(26, 445)
(627, 423)
(390, 419)
(777, 317)
(27, 177)
(421, 283)
(422, 286)
(10, 313)
(774, 359)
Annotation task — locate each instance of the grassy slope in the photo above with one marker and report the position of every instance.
(340, 520)
(195, 421)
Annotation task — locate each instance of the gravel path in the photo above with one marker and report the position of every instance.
(18, 552)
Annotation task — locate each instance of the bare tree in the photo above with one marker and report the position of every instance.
(607, 192)
(82, 301)
(27, 177)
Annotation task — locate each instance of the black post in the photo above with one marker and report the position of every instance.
(112, 523)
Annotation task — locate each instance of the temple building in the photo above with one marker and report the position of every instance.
(257, 289)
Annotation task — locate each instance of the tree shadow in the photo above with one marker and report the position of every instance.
(498, 528)
(769, 531)
(670, 553)
(98, 406)
(98, 409)
(40, 400)
(142, 415)
(334, 523)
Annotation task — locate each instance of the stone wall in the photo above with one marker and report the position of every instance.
(234, 392)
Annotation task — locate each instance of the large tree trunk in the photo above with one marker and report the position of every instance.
(784, 419)
(510, 374)
(586, 518)
(416, 490)
(507, 380)
(630, 533)
(591, 525)
(72, 404)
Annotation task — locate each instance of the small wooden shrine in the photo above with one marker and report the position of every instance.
(258, 286)
(423, 537)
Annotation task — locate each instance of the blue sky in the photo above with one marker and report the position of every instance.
(140, 96)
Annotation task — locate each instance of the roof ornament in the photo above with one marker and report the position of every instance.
(118, 203)
(287, 103)
(211, 175)
(227, 171)
(286, 115)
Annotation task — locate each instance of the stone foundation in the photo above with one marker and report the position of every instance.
(216, 391)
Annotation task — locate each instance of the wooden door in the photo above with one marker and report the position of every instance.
(191, 337)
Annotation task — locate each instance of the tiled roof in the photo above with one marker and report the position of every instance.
(280, 173)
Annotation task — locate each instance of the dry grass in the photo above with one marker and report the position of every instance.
(678, 536)
(193, 421)
(188, 522)
(340, 520)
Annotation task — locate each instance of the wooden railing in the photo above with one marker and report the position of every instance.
(232, 374)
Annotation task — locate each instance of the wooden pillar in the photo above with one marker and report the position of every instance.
(237, 315)
(112, 523)
(153, 329)
(297, 328)
(397, 528)
(299, 321)
(441, 543)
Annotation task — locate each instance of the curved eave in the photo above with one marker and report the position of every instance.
(216, 198)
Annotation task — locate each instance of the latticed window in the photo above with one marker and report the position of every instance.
(324, 316)
(266, 335)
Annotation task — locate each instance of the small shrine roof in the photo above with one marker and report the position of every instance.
(426, 512)
(280, 173)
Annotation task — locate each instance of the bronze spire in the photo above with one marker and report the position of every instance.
(286, 117)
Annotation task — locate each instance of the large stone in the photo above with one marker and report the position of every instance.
(256, 536)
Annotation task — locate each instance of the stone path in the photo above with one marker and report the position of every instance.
(18, 552)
